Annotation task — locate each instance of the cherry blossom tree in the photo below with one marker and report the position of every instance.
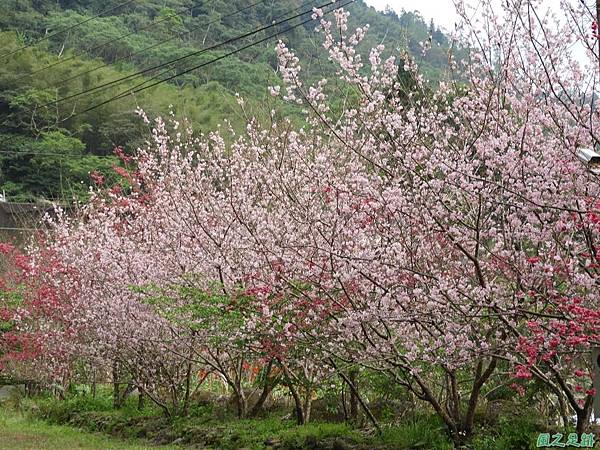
(38, 341)
(555, 64)
(434, 235)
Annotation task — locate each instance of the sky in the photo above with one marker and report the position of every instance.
(441, 11)
(444, 13)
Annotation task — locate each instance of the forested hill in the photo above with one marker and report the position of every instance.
(47, 149)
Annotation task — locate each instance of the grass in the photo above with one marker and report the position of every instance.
(80, 422)
(254, 433)
(225, 433)
(418, 432)
(19, 433)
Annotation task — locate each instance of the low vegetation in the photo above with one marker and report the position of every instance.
(18, 432)
(55, 421)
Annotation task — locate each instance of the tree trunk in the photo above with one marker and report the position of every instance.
(353, 377)
(122, 395)
(94, 385)
(116, 386)
(241, 404)
(264, 395)
(188, 382)
(563, 409)
(344, 409)
(141, 399)
(268, 387)
(583, 415)
(307, 408)
(297, 400)
(481, 377)
(298, 404)
(358, 397)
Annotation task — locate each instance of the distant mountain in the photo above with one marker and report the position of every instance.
(47, 152)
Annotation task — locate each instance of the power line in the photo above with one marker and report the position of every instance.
(62, 30)
(104, 44)
(181, 58)
(137, 52)
(153, 46)
(140, 87)
(275, 18)
(33, 153)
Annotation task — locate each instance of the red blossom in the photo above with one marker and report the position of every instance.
(97, 178)
(523, 372)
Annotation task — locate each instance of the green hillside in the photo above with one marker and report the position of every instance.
(47, 149)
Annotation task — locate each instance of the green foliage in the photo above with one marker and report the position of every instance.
(418, 432)
(47, 152)
(311, 434)
(515, 430)
(53, 166)
(512, 433)
(196, 309)
(19, 433)
(10, 300)
(129, 39)
(68, 410)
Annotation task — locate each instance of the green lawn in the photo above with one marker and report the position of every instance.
(18, 433)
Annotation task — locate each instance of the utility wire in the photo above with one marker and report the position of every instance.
(153, 46)
(63, 30)
(89, 50)
(273, 19)
(181, 58)
(137, 52)
(140, 87)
